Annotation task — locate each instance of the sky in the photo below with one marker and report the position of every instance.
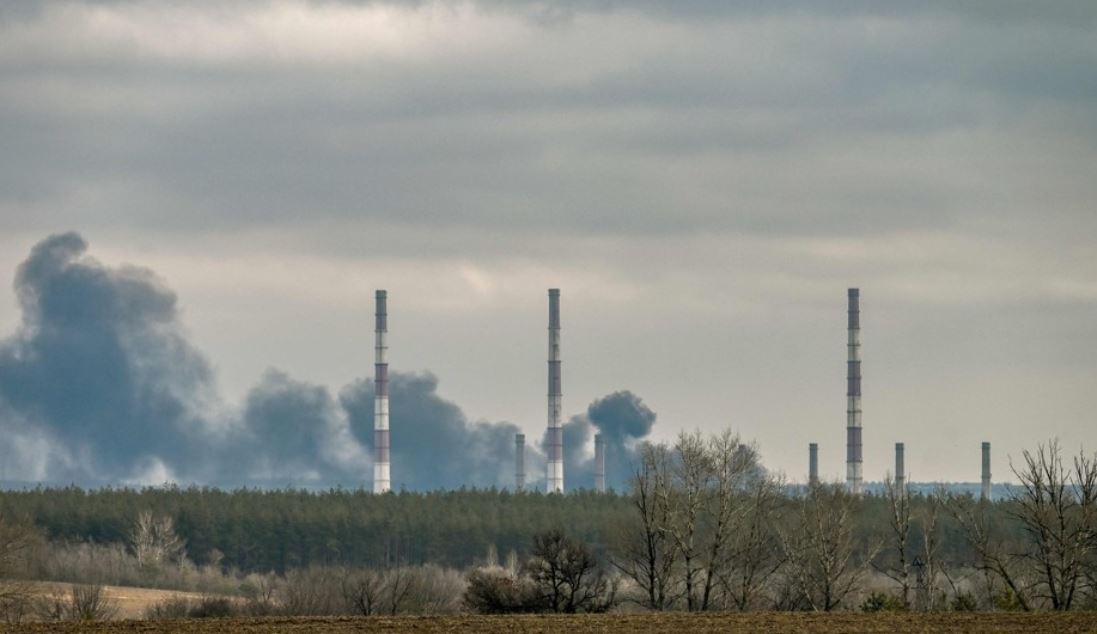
(229, 182)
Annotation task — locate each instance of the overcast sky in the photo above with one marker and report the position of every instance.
(703, 180)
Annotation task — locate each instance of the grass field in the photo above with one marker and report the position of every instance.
(131, 602)
(889, 623)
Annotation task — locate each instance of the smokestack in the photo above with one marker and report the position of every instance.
(519, 462)
(854, 463)
(900, 469)
(555, 466)
(813, 463)
(986, 471)
(599, 463)
(381, 481)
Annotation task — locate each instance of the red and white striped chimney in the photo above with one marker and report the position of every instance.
(554, 477)
(381, 477)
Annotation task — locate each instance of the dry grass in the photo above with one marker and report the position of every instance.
(889, 623)
(131, 602)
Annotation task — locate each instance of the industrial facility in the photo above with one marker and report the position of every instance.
(554, 438)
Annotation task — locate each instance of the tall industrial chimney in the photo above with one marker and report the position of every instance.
(854, 463)
(900, 469)
(813, 463)
(555, 467)
(599, 463)
(986, 471)
(381, 481)
(519, 462)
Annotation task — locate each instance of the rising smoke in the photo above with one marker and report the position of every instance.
(624, 421)
(99, 384)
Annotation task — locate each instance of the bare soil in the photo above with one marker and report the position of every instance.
(757, 623)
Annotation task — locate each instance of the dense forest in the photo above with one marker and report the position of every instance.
(263, 530)
(279, 530)
(701, 527)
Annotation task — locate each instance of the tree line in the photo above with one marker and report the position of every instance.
(702, 527)
(711, 530)
(253, 530)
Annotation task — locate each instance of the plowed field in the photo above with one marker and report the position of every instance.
(641, 623)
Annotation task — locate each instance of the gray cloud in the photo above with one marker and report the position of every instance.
(740, 124)
(704, 179)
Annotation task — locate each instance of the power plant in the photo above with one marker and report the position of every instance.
(381, 476)
(554, 477)
(985, 493)
(813, 463)
(519, 462)
(599, 463)
(554, 438)
(854, 463)
(900, 469)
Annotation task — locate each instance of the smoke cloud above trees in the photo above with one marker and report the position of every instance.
(100, 384)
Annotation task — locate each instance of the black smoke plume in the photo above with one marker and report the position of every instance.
(624, 421)
(99, 384)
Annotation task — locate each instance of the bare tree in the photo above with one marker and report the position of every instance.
(995, 557)
(694, 501)
(312, 591)
(438, 590)
(1056, 506)
(17, 540)
(81, 603)
(645, 552)
(154, 541)
(821, 550)
(929, 565)
(400, 587)
(756, 553)
(91, 603)
(897, 564)
(502, 591)
(684, 496)
(363, 591)
(730, 463)
(568, 574)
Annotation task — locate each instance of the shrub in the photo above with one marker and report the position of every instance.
(494, 590)
(82, 603)
(964, 602)
(883, 602)
(189, 608)
(1007, 600)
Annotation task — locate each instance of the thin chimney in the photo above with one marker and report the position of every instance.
(555, 466)
(519, 462)
(900, 468)
(813, 464)
(854, 462)
(381, 479)
(986, 471)
(599, 463)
